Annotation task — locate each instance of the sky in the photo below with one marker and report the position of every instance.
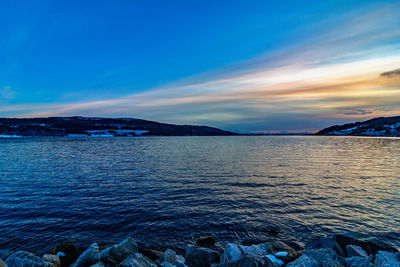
(244, 66)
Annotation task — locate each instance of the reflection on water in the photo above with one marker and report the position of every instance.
(165, 189)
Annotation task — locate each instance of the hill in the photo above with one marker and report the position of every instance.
(383, 126)
(98, 127)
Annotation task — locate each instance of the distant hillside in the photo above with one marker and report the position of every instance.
(384, 126)
(98, 127)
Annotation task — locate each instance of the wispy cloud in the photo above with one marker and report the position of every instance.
(338, 74)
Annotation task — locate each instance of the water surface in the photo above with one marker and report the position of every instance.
(166, 189)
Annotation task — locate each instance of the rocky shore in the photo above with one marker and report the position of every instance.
(345, 249)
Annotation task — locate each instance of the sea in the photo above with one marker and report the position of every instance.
(165, 191)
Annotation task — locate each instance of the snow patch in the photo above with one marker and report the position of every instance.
(102, 135)
(77, 135)
(9, 136)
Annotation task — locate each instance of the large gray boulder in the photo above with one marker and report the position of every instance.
(180, 258)
(355, 251)
(274, 253)
(265, 254)
(89, 257)
(26, 259)
(304, 261)
(53, 259)
(112, 256)
(257, 262)
(137, 260)
(170, 259)
(370, 244)
(325, 257)
(234, 252)
(169, 256)
(247, 261)
(200, 257)
(387, 259)
(328, 242)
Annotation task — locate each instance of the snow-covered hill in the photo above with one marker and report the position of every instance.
(384, 126)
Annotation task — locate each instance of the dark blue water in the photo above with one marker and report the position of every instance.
(166, 189)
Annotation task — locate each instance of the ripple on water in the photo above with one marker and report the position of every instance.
(166, 189)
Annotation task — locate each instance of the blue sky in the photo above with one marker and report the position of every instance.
(240, 65)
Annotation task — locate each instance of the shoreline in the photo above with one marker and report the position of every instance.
(343, 249)
(4, 137)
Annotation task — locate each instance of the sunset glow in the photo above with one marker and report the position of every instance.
(331, 74)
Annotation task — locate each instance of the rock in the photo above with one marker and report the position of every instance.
(358, 261)
(207, 241)
(180, 258)
(254, 255)
(26, 259)
(98, 264)
(117, 253)
(88, 257)
(279, 247)
(325, 256)
(200, 257)
(256, 262)
(4, 253)
(328, 242)
(137, 260)
(69, 249)
(2, 263)
(285, 256)
(304, 261)
(175, 264)
(231, 253)
(152, 254)
(296, 246)
(169, 256)
(370, 244)
(53, 259)
(247, 261)
(353, 250)
(386, 259)
(256, 250)
(179, 264)
(274, 259)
